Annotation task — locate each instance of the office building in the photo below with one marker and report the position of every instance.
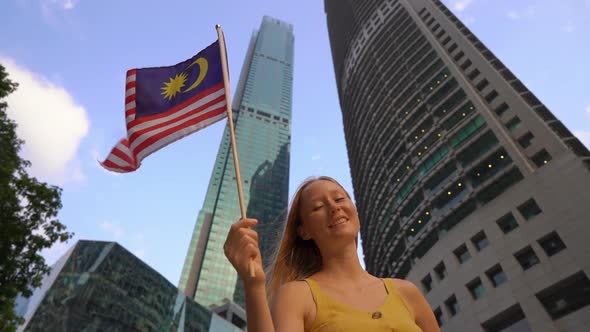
(465, 183)
(100, 286)
(262, 112)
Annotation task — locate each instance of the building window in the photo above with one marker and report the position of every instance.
(566, 296)
(491, 96)
(509, 320)
(529, 209)
(496, 275)
(441, 271)
(452, 48)
(466, 64)
(480, 241)
(552, 244)
(501, 109)
(541, 158)
(481, 85)
(507, 223)
(513, 124)
(462, 254)
(527, 258)
(476, 288)
(474, 73)
(439, 316)
(427, 283)
(526, 140)
(452, 305)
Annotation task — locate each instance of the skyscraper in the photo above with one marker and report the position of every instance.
(262, 112)
(466, 184)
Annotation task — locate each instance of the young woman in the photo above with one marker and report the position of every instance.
(316, 282)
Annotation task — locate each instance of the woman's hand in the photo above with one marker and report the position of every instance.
(241, 248)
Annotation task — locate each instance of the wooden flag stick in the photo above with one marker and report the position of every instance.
(230, 121)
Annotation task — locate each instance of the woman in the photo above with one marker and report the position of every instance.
(317, 282)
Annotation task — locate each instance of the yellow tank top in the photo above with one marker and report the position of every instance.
(392, 315)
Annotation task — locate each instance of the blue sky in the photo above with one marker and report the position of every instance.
(70, 57)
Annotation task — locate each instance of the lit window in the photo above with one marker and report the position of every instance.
(541, 158)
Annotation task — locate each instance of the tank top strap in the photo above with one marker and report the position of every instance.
(322, 304)
(316, 293)
(394, 293)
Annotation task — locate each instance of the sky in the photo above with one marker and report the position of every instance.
(70, 59)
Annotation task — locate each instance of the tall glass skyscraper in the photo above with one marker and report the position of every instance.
(262, 112)
(466, 184)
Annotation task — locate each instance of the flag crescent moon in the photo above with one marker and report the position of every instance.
(203, 67)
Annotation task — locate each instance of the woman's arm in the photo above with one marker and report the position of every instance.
(241, 249)
(290, 305)
(422, 312)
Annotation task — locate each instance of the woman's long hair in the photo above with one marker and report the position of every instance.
(295, 258)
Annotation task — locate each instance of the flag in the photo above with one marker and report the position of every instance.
(165, 104)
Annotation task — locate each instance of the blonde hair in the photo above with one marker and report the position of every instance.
(295, 258)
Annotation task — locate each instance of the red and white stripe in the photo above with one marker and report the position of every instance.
(148, 134)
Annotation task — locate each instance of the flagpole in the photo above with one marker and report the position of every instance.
(232, 135)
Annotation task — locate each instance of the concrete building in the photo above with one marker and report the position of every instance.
(466, 184)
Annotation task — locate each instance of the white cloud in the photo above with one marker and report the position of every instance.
(518, 14)
(55, 11)
(513, 15)
(469, 20)
(583, 136)
(114, 230)
(316, 157)
(68, 4)
(568, 27)
(63, 4)
(460, 5)
(50, 122)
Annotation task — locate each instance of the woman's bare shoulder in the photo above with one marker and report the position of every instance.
(293, 306)
(405, 285)
(295, 292)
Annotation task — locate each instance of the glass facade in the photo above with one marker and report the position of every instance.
(262, 115)
(100, 286)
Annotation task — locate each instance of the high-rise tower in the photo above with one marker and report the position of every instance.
(466, 184)
(262, 112)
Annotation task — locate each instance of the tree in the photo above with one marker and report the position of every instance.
(28, 224)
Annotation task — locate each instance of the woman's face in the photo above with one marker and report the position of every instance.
(327, 213)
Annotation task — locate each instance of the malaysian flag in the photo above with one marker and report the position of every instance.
(164, 104)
